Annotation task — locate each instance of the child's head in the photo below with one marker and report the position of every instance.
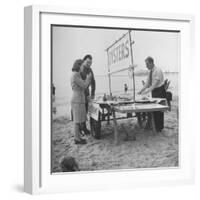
(68, 164)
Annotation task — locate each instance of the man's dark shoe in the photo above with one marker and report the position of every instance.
(86, 132)
(148, 127)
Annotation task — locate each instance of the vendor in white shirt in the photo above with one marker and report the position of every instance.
(155, 85)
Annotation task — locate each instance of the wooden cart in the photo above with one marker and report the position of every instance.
(106, 111)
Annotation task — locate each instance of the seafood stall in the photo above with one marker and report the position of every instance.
(113, 108)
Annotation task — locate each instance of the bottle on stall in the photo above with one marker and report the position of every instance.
(104, 97)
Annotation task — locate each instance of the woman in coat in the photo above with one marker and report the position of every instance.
(78, 99)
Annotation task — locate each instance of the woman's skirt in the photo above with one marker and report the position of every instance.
(78, 112)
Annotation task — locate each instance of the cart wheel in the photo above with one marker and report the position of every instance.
(95, 128)
(143, 120)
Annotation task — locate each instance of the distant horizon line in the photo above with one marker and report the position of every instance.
(136, 74)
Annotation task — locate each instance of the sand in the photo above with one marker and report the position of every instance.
(149, 150)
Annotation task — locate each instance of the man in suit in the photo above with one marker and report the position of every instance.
(87, 62)
(155, 85)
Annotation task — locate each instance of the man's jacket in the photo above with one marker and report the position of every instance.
(92, 84)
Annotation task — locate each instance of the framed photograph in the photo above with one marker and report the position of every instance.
(107, 102)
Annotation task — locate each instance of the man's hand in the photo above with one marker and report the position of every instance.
(132, 66)
(139, 93)
(146, 91)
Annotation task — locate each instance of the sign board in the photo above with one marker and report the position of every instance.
(119, 54)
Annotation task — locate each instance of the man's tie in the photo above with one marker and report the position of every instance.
(150, 77)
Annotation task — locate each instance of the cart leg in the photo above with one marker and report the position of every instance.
(108, 120)
(139, 120)
(116, 134)
(153, 123)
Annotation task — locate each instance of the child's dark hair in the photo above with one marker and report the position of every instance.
(68, 164)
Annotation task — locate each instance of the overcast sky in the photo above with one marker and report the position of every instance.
(71, 43)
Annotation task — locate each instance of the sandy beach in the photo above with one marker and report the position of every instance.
(149, 150)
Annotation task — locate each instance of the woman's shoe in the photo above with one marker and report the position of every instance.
(80, 141)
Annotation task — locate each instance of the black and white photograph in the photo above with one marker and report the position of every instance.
(114, 98)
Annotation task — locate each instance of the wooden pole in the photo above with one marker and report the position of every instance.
(109, 79)
(133, 75)
(120, 70)
(110, 85)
